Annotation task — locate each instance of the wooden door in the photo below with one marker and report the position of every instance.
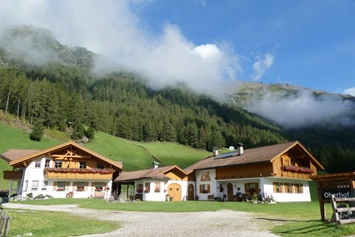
(174, 191)
(230, 192)
(191, 192)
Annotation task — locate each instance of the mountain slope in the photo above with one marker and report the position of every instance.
(65, 94)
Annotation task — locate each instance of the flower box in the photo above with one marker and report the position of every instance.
(298, 169)
(77, 170)
(60, 189)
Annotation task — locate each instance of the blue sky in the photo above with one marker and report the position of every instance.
(206, 43)
(312, 42)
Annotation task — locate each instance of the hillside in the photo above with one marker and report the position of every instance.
(65, 95)
(14, 133)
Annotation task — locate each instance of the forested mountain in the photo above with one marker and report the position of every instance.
(62, 93)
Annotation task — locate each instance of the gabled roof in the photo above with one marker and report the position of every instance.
(14, 154)
(15, 161)
(153, 173)
(250, 156)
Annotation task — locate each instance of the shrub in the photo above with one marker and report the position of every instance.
(37, 131)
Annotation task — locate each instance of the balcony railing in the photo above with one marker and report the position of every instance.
(12, 175)
(70, 173)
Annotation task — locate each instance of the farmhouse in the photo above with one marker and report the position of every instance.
(157, 183)
(279, 171)
(66, 170)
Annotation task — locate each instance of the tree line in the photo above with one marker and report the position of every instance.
(68, 97)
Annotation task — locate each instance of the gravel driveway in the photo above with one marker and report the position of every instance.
(219, 223)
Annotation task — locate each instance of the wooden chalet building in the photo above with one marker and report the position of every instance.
(157, 183)
(66, 170)
(280, 171)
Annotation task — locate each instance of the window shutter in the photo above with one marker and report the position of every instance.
(86, 185)
(208, 188)
(67, 184)
(256, 187)
(246, 188)
(301, 188)
(200, 188)
(55, 184)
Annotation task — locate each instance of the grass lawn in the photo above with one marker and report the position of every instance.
(11, 137)
(169, 153)
(56, 224)
(296, 218)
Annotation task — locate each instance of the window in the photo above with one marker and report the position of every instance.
(277, 187)
(157, 187)
(100, 166)
(288, 188)
(147, 187)
(204, 188)
(44, 185)
(140, 188)
(61, 186)
(37, 164)
(82, 165)
(99, 187)
(58, 164)
(47, 163)
(298, 188)
(251, 187)
(25, 186)
(80, 186)
(34, 185)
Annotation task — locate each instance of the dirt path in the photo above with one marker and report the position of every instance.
(219, 223)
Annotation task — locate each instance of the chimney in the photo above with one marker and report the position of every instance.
(156, 164)
(215, 151)
(240, 149)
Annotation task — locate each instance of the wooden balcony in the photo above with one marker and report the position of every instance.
(12, 175)
(71, 175)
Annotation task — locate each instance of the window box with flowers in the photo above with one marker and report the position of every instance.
(60, 189)
(298, 169)
(80, 189)
(98, 189)
(78, 170)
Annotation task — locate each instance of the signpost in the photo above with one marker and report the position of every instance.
(341, 185)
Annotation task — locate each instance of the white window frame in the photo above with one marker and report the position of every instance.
(34, 186)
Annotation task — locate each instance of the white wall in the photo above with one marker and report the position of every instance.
(161, 196)
(32, 173)
(287, 197)
(212, 183)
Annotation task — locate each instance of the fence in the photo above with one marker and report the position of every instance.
(342, 213)
(4, 223)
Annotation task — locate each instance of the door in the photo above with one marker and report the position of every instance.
(174, 191)
(230, 192)
(191, 192)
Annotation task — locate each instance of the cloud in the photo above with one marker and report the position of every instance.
(303, 109)
(350, 91)
(261, 65)
(113, 29)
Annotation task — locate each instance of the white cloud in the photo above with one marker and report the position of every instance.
(350, 91)
(303, 109)
(261, 65)
(112, 28)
